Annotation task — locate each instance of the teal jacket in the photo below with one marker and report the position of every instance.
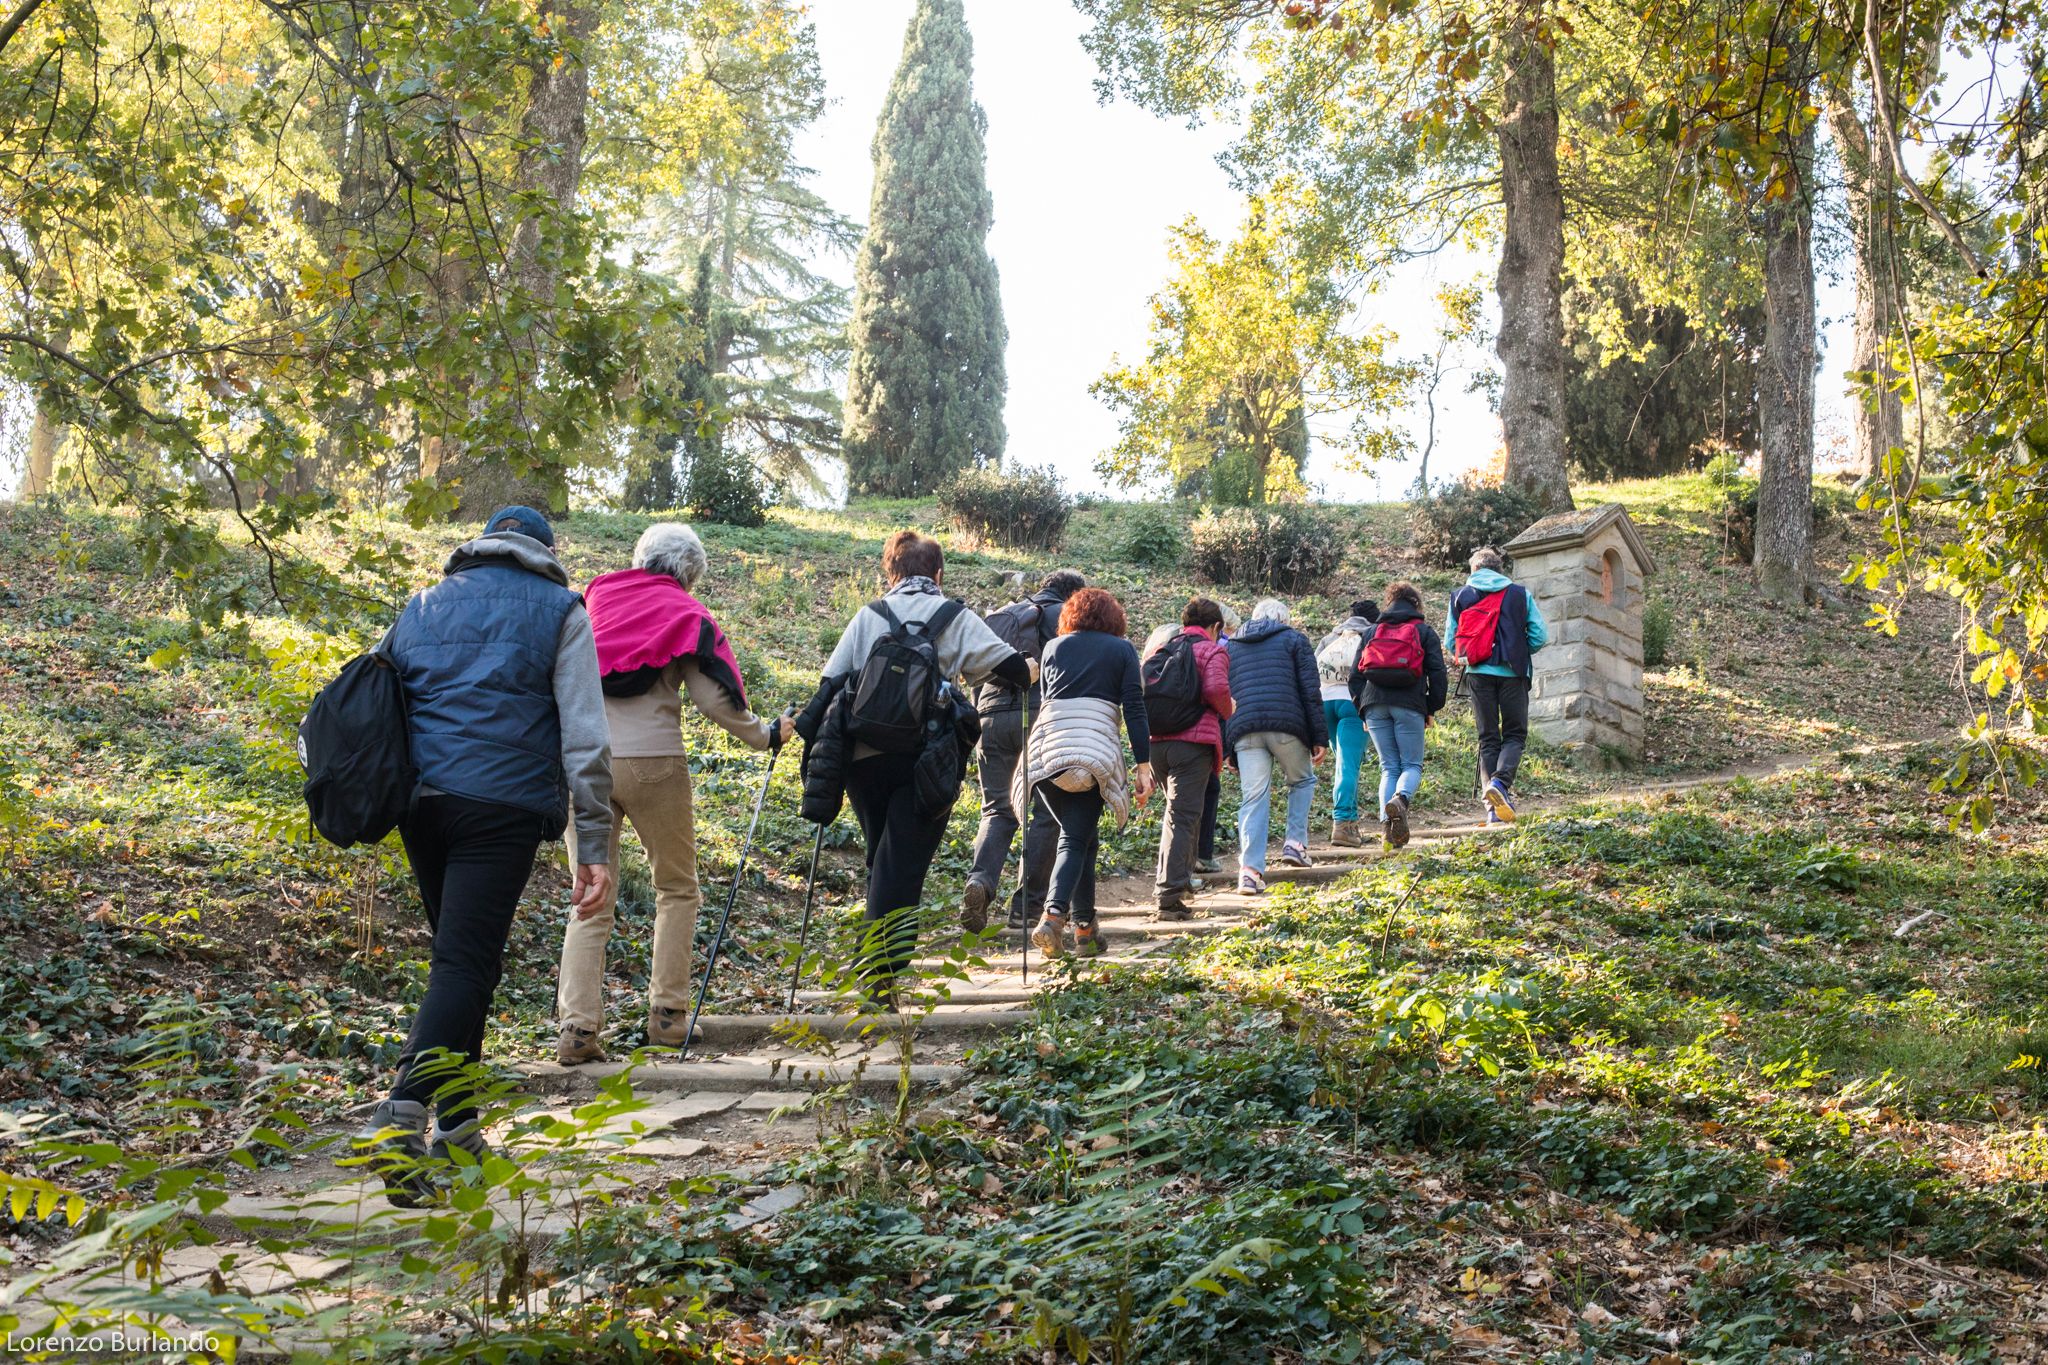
(1487, 580)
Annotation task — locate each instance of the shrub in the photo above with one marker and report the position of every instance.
(1152, 538)
(725, 487)
(1724, 470)
(1025, 510)
(1737, 519)
(1656, 632)
(1454, 521)
(1285, 547)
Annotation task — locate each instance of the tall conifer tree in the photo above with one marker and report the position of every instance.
(925, 392)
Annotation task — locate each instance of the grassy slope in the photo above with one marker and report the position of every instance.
(160, 851)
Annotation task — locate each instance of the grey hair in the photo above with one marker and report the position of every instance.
(1486, 557)
(1232, 622)
(672, 548)
(1271, 609)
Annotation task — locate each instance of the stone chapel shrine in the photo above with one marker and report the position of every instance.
(1585, 570)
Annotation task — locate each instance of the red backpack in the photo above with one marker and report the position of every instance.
(1393, 657)
(1479, 625)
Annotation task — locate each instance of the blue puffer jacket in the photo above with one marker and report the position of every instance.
(476, 653)
(1274, 683)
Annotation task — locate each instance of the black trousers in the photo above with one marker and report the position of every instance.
(1212, 798)
(472, 859)
(1500, 706)
(1002, 743)
(1073, 867)
(901, 845)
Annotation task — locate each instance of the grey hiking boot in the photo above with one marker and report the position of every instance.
(395, 1140)
(577, 1046)
(670, 1028)
(1208, 866)
(466, 1137)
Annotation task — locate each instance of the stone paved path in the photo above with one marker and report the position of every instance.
(745, 1099)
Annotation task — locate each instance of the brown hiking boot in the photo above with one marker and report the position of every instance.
(669, 1028)
(1088, 941)
(974, 908)
(1397, 822)
(1344, 834)
(577, 1046)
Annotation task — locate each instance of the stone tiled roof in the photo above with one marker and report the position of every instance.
(1563, 530)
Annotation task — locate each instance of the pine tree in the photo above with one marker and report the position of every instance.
(925, 394)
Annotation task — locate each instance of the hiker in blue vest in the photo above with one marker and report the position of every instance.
(1496, 630)
(506, 719)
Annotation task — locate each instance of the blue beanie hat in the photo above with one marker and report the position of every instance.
(524, 521)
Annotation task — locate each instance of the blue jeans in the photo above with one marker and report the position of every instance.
(1256, 756)
(1349, 733)
(1397, 735)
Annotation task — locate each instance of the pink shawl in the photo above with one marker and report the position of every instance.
(648, 620)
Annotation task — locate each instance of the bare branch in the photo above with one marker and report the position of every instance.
(1883, 118)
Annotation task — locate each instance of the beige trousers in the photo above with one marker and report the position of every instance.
(654, 793)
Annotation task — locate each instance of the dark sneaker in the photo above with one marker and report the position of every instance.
(577, 1046)
(1251, 883)
(1016, 920)
(1296, 855)
(1049, 936)
(395, 1139)
(1344, 834)
(974, 907)
(1173, 912)
(1088, 941)
(671, 1028)
(1397, 822)
(1210, 866)
(1387, 827)
(1500, 802)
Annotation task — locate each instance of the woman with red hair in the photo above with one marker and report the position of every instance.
(1074, 757)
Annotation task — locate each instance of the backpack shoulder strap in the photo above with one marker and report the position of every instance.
(943, 617)
(881, 608)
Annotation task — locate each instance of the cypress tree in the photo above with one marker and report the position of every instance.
(925, 392)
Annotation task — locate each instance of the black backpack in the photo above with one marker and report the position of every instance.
(358, 757)
(1173, 687)
(898, 686)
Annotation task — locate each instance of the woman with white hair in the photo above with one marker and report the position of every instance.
(1277, 722)
(656, 643)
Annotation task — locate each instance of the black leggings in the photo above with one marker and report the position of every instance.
(901, 845)
(1079, 815)
(472, 859)
(1205, 847)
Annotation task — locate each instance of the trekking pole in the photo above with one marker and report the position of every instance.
(802, 934)
(718, 938)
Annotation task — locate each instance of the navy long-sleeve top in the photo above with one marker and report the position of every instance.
(1094, 663)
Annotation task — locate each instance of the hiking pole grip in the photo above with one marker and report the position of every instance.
(739, 871)
(803, 934)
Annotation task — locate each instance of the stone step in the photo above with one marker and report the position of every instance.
(1309, 876)
(743, 1074)
(724, 1029)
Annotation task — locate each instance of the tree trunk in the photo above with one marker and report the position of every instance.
(552, 133)
(40, 478)
(1785, 382)
(1880, 295)
(1530, 284)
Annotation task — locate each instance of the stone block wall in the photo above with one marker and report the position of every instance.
(1588, 688)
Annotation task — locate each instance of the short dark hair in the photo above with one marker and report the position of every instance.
(1093, 609)
(1400, 590)
(1365, 607)
(1201, 611)
(911, 554)
(1063, 583)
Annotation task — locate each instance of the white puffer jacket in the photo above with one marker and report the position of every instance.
(1078, 742)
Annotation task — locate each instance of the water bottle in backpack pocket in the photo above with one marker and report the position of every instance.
(897, 690)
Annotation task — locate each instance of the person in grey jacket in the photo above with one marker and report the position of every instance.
(881, 787)
(506, 721)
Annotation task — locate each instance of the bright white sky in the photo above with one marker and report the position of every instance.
(1084, 194)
